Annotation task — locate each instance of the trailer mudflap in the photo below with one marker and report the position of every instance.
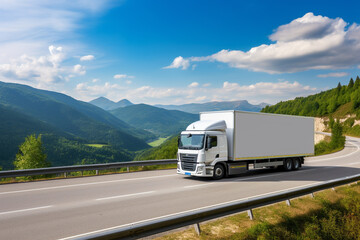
(236, 168)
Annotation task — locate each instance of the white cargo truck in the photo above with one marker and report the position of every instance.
(226, 143)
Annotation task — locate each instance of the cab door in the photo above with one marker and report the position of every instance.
(212, 149)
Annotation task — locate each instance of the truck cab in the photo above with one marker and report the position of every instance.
(201, 147)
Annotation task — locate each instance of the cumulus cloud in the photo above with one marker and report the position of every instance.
(309, 42)
(78, 69)
(179, 62)
(43, 71)
(120, 76)
(270, 92)
(87, 58)
(335, 74)
(193, 85)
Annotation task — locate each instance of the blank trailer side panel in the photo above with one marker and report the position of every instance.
(260, 136)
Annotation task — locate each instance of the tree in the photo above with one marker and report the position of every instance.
(357, 82)
(31, 154)
(338, 87)
(351, 83)
(337, 139)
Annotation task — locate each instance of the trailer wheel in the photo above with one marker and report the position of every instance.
(288, 164)
(219, 171)
(296, 164)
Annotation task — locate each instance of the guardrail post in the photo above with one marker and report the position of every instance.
(97, 172)
(312, 195)
(65, 174)
(288, 202)
(250, 214)
(128, 169)
(197, 228)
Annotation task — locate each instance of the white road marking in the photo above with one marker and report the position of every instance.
(24, 210)
(198, 185)
(123, 196)
(84, 184)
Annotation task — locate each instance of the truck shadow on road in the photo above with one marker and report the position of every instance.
(306, 173)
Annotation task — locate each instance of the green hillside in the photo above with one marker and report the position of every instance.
(159, 121)
(60, 147)
(167, 150)
(337, 102)
(71, 116)
(67, 126)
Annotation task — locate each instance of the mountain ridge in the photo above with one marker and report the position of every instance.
(159, 121)
(107, 104)
(195, 108)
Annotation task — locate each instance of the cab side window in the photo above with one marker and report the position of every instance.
(213, 141)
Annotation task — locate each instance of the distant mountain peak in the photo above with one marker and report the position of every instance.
(106, 104)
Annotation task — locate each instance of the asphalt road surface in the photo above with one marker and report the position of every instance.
(69, 208)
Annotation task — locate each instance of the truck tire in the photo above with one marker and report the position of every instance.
(288, 164)
(296, 164)
(219, 172)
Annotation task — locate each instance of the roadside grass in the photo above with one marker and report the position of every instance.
(324, 147)
(95, 145)
(86, 173)
(158, 142)
(330, 215)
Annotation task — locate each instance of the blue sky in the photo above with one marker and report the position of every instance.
(176, 52)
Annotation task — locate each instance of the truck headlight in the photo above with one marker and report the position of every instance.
(200, 169)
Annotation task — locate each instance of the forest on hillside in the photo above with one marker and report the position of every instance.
(336, 102)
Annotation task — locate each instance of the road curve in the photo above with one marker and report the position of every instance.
(68, 208)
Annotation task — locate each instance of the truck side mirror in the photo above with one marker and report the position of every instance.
(208, 143)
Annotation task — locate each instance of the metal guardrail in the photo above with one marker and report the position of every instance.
(134, 231)
(77, 168)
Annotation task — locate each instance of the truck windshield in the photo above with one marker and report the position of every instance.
(191, 141)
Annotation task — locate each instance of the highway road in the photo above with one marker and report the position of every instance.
(69, 208)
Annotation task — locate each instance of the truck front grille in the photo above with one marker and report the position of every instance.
(188, 157)
(188, 161)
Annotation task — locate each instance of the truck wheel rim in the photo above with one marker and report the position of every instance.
(218, 172)
(288, 165)
(296, 164)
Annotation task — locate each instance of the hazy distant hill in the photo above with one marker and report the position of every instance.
(107, 104)
(159, 121)
(64, 122)
(195, 108)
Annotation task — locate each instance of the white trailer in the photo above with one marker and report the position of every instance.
(228, 142)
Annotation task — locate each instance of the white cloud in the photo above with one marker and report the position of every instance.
(179, 62)
(309, 42)
(334, 74)
(95, 80)
(78, 69)
(26, 27)
(270, 92)
(193, 85)
(87, 58)
(206, 84)
(44, 71)
(120, 76)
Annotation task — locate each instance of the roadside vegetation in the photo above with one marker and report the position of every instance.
(330, 215)
(334, 143)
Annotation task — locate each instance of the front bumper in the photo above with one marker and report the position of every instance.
(201, 170)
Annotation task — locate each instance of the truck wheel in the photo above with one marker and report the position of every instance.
(288, 164)
(219, 171)
(296, 163)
